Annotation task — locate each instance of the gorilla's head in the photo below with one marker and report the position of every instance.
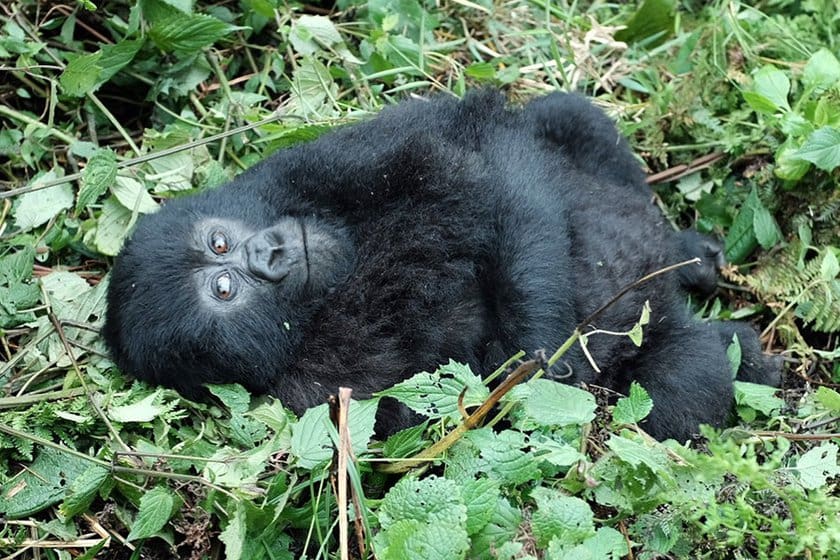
(218, 288)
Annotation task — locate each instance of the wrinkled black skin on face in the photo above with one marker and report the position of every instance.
(440, 229)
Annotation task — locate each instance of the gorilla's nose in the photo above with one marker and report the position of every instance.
(267, 257)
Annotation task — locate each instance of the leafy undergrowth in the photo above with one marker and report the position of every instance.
(109, 109)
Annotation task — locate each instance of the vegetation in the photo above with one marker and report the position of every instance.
(110, 107)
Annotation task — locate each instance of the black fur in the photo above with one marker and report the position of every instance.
(455, 229)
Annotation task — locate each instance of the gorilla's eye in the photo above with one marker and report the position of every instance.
(219, 243)
(222, 286)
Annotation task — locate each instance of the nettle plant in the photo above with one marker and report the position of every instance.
(811, 124)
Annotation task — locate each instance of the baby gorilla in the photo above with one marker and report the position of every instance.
(440, 229)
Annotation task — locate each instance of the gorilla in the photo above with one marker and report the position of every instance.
(439, 229)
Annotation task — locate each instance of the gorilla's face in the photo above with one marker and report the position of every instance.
(239, 263)
(205, 297)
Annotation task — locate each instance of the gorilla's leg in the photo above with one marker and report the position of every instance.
(700, 278)
(689, 378)
(755, 366)
(587, 138)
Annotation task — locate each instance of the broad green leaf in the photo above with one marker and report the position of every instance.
(144, 410)
(653, 17)
(64, 286)
(822, 70)
(480, 496)
(405, 442)
(829, 398)
(410, 538)
(83, 490)
(502, 528)
(765, 228)
(734, 355)
(435, 395)
(44, 482)
(741, 240)
(133, 195)
(789, 166)
(235, 533)
(112, 227)
(311, 442)
(188, 33)
(633, 408)
(605, 544)
(313, 33)
(481, 70)
(81, 75)
(156, 507)
(817, 465)
(540, 399)
(829, 267)
(235, 468)
(311, 86)
(822, 148)
(635, 453)
(562, 517)
(98, 176)
(39, 207)
(234, 396)
(758, 397)
(773, 85)
(506, 456)
(115, 57)
(432, 500)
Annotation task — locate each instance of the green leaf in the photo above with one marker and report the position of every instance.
(635, 453)
(234, 396)
(481, 71)
(733, 354)
(111, 228)
(156, 507)
(311, 34)
(43, 483)
(539, 400)
(188, 33)
(133, 195)
(506, 455)
(653, 17)
(829, 398)
(818, 464)
(311, 87)
(81, 75)
(311, 442)
(431, 500)
(822, 70)
(83, 490)
(789, 166)
(560, 517)
(765, 227)
(144, 410)
(480, 496)
(605, 544)
(98, 176)
(741, 239)
(39, 207)
(758, 397)
(405, 442)
(235, 533)
(435, 395)
(822, 148)
(633, 408)
(410, 538)
(829, 267)
(773, 86)
(116, 57)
